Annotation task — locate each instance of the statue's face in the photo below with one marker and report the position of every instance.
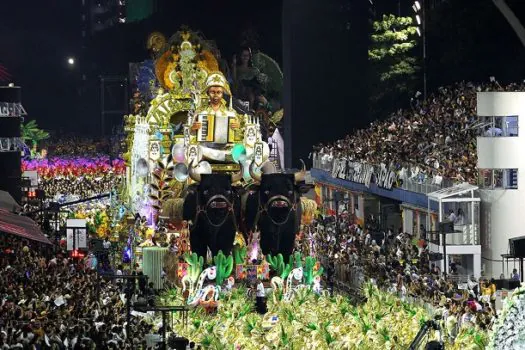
(215, 93)
(251, 137)
(154, 151)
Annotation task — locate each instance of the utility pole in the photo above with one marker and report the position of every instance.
(421, 8)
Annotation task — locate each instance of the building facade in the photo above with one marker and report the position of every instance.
(501, 166)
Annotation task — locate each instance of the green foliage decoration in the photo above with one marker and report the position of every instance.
(195, 264)
(309, 273)
(224, 267)
(239, 255)
(31, 132)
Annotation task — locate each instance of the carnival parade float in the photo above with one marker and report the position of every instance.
(199, 178)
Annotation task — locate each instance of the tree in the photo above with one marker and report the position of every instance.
(393, 62)
(31, 132)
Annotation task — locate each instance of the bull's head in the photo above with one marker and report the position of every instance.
(273, 206)
(279, 193)
(215, 193)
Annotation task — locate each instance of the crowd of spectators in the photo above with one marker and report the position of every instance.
(434, 137)
(76, 176)
(49, 301)
(397, 262)
(70, 188)
(64, 146)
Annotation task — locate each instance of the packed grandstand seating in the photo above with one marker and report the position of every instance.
(64, 178)
(400, 264)
(69, 145)
(436, 136)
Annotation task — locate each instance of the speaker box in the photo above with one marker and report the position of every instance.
(10, 126)
(11, 173)
(517, 247)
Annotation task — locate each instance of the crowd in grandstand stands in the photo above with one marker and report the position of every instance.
(76, 176)
(398, 263)
(78, 146)
(49, 301)
(72, 187)
(435, 137)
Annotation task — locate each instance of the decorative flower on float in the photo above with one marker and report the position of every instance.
(312, 321)
(509, 329)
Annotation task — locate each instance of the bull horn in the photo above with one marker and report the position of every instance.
(254, 176)
(300, 175)
(193, 175)
(237, 176)
(268, 167)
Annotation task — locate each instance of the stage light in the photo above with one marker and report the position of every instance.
(418, 31)
(418, 19)
(417, 5)
(414, 8)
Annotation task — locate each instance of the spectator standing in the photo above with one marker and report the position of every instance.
(260, 297)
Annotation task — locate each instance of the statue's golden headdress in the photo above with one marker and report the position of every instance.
(217, 79)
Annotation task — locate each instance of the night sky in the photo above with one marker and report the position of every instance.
(36, 38)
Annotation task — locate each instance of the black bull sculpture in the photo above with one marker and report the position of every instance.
(213, 208)
(272, 205)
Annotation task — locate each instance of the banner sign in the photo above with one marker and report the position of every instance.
(363, 173)
(251, 272)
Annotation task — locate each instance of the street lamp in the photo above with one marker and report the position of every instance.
(71, 61)
(421, 21)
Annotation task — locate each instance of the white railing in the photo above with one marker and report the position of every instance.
(413, 182)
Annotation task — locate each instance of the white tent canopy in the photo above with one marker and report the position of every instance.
(454, 191)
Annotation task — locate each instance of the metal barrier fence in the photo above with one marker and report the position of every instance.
(419, 183)
(350, 278)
